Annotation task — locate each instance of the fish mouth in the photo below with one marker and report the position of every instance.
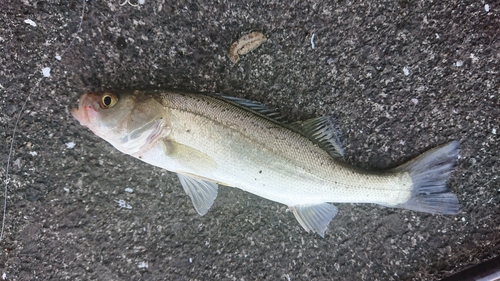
(85, 110)
(77, 114)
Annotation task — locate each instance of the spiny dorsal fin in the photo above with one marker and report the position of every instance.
(268, 111)
(325, 132)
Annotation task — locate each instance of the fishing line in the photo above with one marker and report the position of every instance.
(11, 147)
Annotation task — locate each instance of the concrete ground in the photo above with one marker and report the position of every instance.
(401, 76)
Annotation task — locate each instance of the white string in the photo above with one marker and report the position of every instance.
(11, 149)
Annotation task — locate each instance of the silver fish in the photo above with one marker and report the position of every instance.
(211, 139)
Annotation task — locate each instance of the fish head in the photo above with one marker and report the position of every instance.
(128, 121)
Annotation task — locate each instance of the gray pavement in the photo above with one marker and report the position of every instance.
(401, 76)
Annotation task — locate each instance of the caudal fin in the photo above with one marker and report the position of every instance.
(429, 173)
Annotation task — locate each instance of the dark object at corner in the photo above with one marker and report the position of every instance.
(486, 271)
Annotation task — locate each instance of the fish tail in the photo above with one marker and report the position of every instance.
(429, 173)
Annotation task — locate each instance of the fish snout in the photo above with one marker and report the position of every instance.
(86, 110)
(76, 113)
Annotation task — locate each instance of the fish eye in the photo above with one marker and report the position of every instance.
(108, 100)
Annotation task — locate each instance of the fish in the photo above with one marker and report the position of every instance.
(211, 139)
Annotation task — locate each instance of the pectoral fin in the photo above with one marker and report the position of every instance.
(202, 192)
(315, 217)
(190, 159)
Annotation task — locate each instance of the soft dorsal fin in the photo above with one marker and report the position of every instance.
(325, 132)
(268, 111)
(202, 192)
(315, 217)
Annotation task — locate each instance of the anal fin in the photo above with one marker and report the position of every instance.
(201, 192)
(315, 217)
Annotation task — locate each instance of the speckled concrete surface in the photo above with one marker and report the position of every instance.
(402, 76)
